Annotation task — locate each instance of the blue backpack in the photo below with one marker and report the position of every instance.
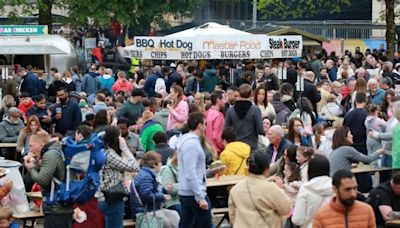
(82, 165)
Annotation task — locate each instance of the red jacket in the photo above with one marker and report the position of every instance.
(24, 108)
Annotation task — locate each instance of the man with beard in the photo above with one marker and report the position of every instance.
(132, 139)
(66, 115)
(344, 210)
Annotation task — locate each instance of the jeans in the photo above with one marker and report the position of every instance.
(176, 208)
(113, 213)
(193, 216)
(384, 176)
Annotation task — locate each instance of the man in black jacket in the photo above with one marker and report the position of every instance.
(28, 83)
(311, 91)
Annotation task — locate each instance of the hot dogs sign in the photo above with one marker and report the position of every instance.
(216, 47)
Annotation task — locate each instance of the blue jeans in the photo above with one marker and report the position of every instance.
(113, 213)
(176, 208)
(192, 215)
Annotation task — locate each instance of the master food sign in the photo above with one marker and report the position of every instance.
(216, 47)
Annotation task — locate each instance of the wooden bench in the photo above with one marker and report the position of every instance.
(129, 223)
(29, 215)
(224, 211)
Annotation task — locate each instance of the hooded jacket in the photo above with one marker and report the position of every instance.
(106, 82)
(192, 167)
(282, 112)
(162, 117)
(150, 83)
(149, 129)
(312, 195)
(246, 119)
(52, 165)
(210, 80)
(9, 130)
(90, 83)
(235, 157)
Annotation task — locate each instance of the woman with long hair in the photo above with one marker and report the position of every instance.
(178, 110)
(360, 86)
(263, 141)
(32, 127)
(261, 101)
(386, 108)
(169, 177)
(305, 112)
(344, 154)
(100, 121)
(289, 155)
(199, 102)
(112, 178)
(296, 133)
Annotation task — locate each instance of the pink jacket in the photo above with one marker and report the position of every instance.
(214, 128)
(178, 116)
(122, 85)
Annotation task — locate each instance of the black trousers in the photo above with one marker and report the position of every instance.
(57, 221)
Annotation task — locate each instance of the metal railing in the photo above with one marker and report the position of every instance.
(360, 29)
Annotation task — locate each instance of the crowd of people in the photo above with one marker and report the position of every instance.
(175, 125)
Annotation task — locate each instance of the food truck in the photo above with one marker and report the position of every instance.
(31, 45)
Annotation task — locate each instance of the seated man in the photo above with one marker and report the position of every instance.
(385, 199)
(235, 154)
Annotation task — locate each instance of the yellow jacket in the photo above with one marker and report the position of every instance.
(234, 156)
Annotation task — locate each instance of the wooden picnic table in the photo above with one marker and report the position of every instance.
(393, 223)
(8, 145)
(369, 169)
(223, 181)
(34, 195)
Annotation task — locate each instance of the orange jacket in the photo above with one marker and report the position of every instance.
(334, 216)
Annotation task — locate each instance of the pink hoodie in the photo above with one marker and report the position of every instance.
(178, 116)
(214, 128)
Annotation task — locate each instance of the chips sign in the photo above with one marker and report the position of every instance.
(23, 30)
(216, 47)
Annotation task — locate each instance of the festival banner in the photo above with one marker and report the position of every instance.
(216, 47)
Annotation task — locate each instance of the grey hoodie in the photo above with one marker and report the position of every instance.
(162, 117)
(9, 130)
(192, 167)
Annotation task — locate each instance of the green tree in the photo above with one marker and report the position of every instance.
(298, 8)
(20, 8)
(138, 13)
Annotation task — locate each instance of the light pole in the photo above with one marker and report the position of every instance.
(254, 13)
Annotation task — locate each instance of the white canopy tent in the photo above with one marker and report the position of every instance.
(209, 29)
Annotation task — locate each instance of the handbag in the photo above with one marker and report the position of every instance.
(148, 220)
(115, 193)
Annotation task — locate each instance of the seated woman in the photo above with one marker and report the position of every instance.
(303, 157)
(169, 178)
(32, 127)
(289, 155)
(297, 134)
(314, 193)
(146, 194)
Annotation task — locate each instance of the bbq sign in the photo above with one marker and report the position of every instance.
(216, 47)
